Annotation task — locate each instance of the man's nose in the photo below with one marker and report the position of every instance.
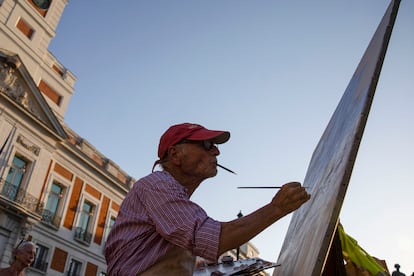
(215, 151)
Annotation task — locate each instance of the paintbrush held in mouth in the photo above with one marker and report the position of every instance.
(224, 168)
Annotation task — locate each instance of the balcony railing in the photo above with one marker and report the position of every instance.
(49, 217)
(82, 235)
(19, 196)
(40, 265)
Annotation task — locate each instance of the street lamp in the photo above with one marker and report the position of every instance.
(239, 215)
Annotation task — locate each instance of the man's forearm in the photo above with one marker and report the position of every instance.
(239, 231)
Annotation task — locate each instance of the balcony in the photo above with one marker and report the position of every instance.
(40, 265)
(50, 218)
(83, 236)
(19, 197)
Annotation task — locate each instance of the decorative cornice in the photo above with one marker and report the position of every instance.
(26, 144)
(14, 87)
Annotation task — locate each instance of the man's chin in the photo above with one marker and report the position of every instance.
(214, 173)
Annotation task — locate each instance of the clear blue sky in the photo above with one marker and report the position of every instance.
(270, 72)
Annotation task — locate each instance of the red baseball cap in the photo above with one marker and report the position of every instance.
(189, 131)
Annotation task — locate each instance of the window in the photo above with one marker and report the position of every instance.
(84, 223)
(40, 258)
(52, 205)
(14, 178)
(85, 215)
(50, 92)
(110, 225)
(74, 268)
(25, 28)
(41, 6)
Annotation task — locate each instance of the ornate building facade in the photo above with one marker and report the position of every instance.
(56, 189)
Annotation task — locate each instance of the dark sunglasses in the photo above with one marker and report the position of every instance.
(206, 144)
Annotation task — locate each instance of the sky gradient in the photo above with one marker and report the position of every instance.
(270, 72)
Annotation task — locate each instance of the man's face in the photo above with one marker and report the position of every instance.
(26, 254)
(198, 160)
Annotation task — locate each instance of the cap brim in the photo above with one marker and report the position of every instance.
(221, 138)
(216, 136)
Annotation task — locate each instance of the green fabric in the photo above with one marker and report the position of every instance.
(356, 254)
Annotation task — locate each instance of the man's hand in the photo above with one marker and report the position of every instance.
(237, 232)
(290, 197)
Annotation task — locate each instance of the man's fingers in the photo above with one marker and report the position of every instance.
(293, 184)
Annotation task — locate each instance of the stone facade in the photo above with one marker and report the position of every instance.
(56, 189)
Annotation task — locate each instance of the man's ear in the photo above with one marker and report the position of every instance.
(174, 155)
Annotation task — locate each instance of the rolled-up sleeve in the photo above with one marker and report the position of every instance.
(207, 239)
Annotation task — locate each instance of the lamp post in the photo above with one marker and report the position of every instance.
(239, 215)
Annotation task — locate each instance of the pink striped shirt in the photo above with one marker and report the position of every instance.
(156, 214)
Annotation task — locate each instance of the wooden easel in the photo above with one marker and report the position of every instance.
(335, 263)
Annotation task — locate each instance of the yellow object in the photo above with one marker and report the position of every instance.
(353, 252)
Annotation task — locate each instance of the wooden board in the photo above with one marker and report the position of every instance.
(311, 230)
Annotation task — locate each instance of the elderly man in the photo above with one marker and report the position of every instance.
(23, 257)
(159, 230)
